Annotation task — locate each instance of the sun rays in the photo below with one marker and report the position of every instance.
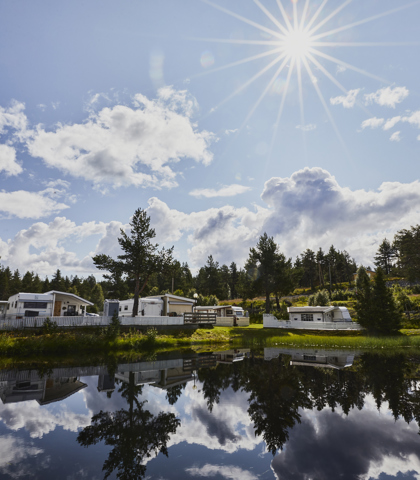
(296, 42)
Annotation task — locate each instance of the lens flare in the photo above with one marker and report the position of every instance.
(297, 44)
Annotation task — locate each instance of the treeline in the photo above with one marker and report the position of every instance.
(267, 272)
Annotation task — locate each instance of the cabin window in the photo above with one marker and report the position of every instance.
(311, 358)
(120, 309)
(125, 307)
(295, 319)
(39, 305)
(319, 320)
(307, 317)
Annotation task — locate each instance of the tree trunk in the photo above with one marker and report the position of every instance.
(267, 302)
(278, 301)
(136, 297)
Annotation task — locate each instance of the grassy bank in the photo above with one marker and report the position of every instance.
(92, 341)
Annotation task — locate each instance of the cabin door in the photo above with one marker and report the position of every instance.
(57, 309)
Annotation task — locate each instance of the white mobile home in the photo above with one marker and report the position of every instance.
(148, 307)
(50, 304)
(226, 315)
(174, 306)
(319, 314)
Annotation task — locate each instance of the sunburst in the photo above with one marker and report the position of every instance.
(297, 43)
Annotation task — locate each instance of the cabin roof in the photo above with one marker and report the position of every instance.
(176, 297)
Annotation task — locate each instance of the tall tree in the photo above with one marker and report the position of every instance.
(407, 247)
(384, 256)
(376, 308)
(140, 258)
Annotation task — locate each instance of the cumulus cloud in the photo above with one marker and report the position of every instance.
(13, 118)
(8, 163)
(348, 101)
(395, 137)
(313, 206)
(225, 191)
(372, 122)
(391, 122)
(387, 97)
(413, 118)
(309, 209)
(24, 204)
(42, 247)
(125, 145)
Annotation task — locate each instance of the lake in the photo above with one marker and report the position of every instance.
(239, 414)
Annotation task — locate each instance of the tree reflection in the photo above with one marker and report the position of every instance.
(277, 390)
(134, 434)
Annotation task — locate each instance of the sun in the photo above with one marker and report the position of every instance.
(297, 44)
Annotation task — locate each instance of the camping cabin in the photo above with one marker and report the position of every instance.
(50, 304)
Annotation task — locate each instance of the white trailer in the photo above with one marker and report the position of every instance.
(148, 307)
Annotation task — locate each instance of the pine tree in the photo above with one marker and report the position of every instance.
(376, 308)
(140, 258)
(384, 256)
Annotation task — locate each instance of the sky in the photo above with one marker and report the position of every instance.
(224, 120)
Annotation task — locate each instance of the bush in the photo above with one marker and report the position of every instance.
(320, 299)
(113, 330)
(49, 326)
(151, 335)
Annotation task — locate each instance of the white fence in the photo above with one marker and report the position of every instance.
(270, 321)
(37, 322)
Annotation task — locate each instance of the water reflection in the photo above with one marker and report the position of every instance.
(313, 410)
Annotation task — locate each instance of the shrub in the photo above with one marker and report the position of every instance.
(49, 326)
(151, 335)
(320, 299)
(113, 330)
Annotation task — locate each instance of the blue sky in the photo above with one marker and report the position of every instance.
(172, 106)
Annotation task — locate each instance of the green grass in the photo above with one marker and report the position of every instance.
(94, 341)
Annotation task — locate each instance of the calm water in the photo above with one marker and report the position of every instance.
(269, 414)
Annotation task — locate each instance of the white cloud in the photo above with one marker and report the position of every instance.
(413, 119)
(225, 191)
(38, 421)
(391, 122)
(230, 472)
(340, 69)
(8, 163)
(387, 97)
(306, 128)
(13, 117)
(229, 132)
(348, 101)
(372, 122)
(395, 137)
(125, 146)
(24, 204)
(309, 209)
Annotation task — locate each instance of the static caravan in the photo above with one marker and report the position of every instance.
(50, 304)
(222, 310)
(319, 314)
(148, 307)
(174, 306)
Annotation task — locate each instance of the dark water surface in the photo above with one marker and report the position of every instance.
(249, 415)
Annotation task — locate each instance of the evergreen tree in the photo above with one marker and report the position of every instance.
(140, 258)
(376, 308)
(407, 247)
(384, 256)
(16, 283)
(57, 282)
(97, 297)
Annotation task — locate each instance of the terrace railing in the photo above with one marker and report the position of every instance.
(200, 317)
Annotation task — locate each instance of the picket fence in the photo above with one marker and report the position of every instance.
(11, 323)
